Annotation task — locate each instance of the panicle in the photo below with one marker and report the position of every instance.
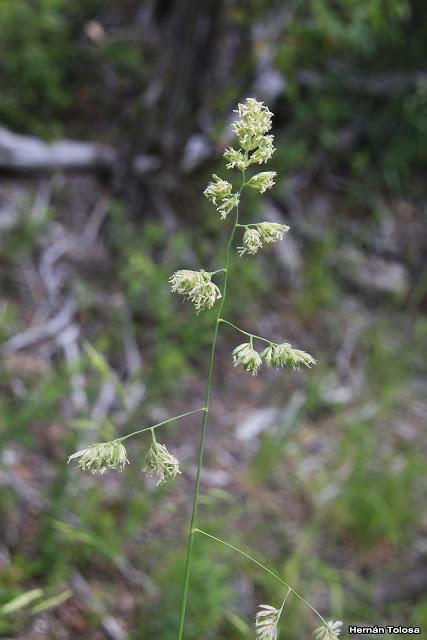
(247, 357)
(284, 355)
(266, 621)
(101, 457)
(251, 242)
(197, 287)
(161, 463)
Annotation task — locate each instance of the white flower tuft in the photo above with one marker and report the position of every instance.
(284, 355)
(161, 463)
(271, 231)
(245, 356)
(228, 204)
(251, 242)
(102, 457)
(236, 159)
(218, 189)
(262, 181)
(330, 631)
(197, 287)
(254, 121)
(266, 621)
(264, 152)
(267, 232)
(219, 192)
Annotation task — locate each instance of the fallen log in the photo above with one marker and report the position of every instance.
(27, 153)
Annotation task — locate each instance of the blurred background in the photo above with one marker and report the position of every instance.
(113, 115)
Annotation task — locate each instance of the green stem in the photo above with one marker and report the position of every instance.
(159, 424)
(251, 335)
(284, 602)
(266, 569)
(184, 598)
(213, 273)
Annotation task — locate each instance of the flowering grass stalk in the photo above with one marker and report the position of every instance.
(254, 146)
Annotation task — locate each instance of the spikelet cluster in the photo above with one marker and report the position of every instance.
(251, 128)
(256, 235)
(252, 242)
(247, 357)
(159, 462)
(101, 457)
(266, 621)
(330, 631)
(271, 231)
(254, 121)
(275, 355)
(197, 287)
(285, 356)
(262, 181)
(219, 192)
(255, 147)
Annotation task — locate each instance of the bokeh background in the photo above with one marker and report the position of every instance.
(320, 473)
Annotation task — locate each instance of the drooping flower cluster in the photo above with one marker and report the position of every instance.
(255, 235)
(106, 456)
(197, 287)
(247, 357)
(219, 192)
(266, 621)
(275, 355)
(271, 231)
(102, 457)
(161, 463)
(252, 242)
(284, 355)
(331, 631)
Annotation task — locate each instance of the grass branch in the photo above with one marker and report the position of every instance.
(159, 424)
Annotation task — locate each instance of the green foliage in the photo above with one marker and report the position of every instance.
(320, 286)
(212, 595)
(378, 498)
(34, 51)
(345, 44)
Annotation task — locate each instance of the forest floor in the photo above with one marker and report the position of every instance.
(319, 472)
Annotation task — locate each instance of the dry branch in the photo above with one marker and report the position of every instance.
(27, 153)
(31, 155)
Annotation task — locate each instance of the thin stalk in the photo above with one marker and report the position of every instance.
(213, 273)
(184, 598)
(266, 569)
(159, 424)
(246, 333)
(284, 602)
